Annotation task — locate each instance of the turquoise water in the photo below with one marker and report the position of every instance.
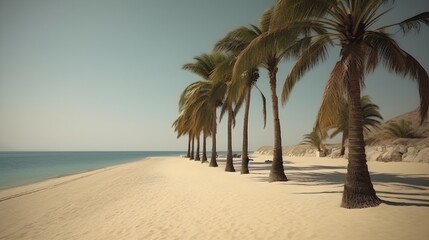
(19, 168)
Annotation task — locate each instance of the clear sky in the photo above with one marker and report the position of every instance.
(106, 74)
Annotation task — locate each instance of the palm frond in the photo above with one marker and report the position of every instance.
(314, 139)
(264, 106)
(199, 105)
(238, 105)
(204, 64)
(298, 47)
(336, 132)
(236, 40)
(412, 23)
(286, 11)
(370, 114)
(265, 20)
(254, 54)
(200, 70)
(402, 63)
(366, 11)
(223, 70)
(372, 59)
(333, 99)
(225, 109)
(273, 45)
(309, 58)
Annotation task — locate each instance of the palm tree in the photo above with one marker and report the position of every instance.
(266, 51)
(234, 42)
(349, 24)
(213, 91)
(181, 127)
(371, 119)
(222, 75)
(314, 139)
(185, 123)
(401, 129)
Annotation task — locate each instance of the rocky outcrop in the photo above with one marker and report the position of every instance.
(380, 145)
(422, 156)
(410, 155)
(297, 151)
(382, 153)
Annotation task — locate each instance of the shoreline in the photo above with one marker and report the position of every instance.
(40, 185)
(59, 171)
(53, 178)
(173, 197)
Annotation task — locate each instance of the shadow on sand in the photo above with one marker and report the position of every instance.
(413, 187)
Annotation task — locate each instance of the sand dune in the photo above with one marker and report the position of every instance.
(174, 198)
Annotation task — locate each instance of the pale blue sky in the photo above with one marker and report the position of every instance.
(106, 74)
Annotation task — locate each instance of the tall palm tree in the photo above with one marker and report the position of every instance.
(349, 24)
(267, 52)
(222, 75)
(233, 101)
(234, 42)
(213, 91)
(371, 119)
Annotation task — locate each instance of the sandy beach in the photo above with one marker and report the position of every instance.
(175, 198)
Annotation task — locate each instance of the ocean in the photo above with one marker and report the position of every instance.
(20, 168)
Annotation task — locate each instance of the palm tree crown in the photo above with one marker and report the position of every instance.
(401, 129)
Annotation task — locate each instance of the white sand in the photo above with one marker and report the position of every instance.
(174, 198)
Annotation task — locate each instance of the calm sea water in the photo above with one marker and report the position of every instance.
(19, 168)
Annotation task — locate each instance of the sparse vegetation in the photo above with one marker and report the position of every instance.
(401, 129)
(314, 139)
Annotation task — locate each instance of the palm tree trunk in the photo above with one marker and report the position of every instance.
(229, 160)
(277, 171)
(204, 158)
(343, 148)
(358, 189)
(245, 152)
(192, 149)
(197, 154)
(213, 162)
(188, 154)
